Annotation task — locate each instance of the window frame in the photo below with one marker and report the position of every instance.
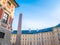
(6, 20)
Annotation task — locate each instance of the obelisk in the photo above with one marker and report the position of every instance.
(18, 37)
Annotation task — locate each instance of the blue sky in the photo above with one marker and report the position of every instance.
(37, 14)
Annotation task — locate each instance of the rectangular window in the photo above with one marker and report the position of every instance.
(30, 43)
(2, 35)
(5, 18)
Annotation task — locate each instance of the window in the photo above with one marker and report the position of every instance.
(59, 36)
(5, 18)
(9, 3)
(2, 35)
(30, 43)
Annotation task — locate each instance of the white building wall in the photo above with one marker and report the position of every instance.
(55, 37)
(45, 38)
(4, 41)
(48, 38)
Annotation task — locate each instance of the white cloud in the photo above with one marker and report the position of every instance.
(36, 24)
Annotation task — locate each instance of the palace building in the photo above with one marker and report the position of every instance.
(47, 36)
(7, 8)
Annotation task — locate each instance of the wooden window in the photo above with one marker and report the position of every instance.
(10, 20)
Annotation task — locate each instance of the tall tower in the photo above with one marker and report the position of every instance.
(18, 38)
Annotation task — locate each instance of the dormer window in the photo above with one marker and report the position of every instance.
(5, 18)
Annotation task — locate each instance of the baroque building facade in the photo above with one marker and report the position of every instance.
(47, 36)
(6, 17)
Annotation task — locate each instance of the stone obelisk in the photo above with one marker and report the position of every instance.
(18, 37)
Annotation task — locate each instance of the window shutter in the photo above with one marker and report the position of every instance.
(10, 20)
(1, 12)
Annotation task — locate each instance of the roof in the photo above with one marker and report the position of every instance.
(15, 3)
(25, 31)
(45, 30)
(14, 32)
(33, 31)
(57, 25)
